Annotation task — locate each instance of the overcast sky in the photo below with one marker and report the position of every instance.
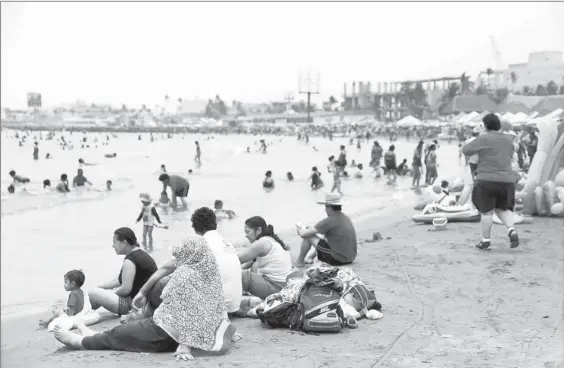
(135, 53)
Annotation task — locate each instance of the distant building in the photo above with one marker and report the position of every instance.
(541, 68)
(192, 107)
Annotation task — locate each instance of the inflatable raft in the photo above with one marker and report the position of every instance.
(460, 213)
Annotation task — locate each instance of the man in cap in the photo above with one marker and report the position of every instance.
(494, 188)
(333, 239)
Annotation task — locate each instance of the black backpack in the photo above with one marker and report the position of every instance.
(285, 315)
(320, 308)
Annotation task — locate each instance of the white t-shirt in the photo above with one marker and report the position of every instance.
(229, 268)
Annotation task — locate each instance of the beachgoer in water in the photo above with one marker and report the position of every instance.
(358, 173)
(403, 169)
(179, 187)
(315, 177)
(75, 304)
(47, 156)
(149, 215)
(63, 185)
(197, 159)
(36, 151)
(266, 262)
(192, 313)
(108, 185)
(341, 162)
(431, 164)
(494, 188)
(110, 155)
(79, 180)
(268, 182)
(164, 201)
(417, 164)
(262, 146)
(391, 167)
(18, 179)
(290, 176)
(46, 184)
(11, 189)
(333, 239)
(221, 212)
(375, 157)
(116, 295)
(163, 169)
(335, 170)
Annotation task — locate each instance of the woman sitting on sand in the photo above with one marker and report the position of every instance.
(138, 266)
(266, 262)
(192, 313)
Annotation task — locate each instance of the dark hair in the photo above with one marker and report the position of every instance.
(204, 220)
(335, 207)
(290, 175)
(46, 182)
(64, 177)
(360, 166)
(392, 148)
(127, 235)
(163, 177)
(314, 168)
(331, 157)
(420, 143)
(444, 184)
(268, 173)
(432, 147)
(376, 143)
(108, 181)
(11, 188)
(80, 161)
(491, 122)
(342, 147)
(267, 230)
(218, 202)
(76, 276)
(163, 165)
(12, 173)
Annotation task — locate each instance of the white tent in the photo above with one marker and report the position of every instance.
(408, 121)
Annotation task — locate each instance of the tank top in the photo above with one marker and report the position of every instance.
(277, 264)
(145, 267)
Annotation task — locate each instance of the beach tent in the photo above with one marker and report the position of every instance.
(408, 121)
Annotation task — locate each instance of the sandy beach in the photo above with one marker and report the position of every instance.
(446, 304)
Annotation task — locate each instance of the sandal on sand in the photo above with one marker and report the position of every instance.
(483, 245)
(513, 239)
(352, 323)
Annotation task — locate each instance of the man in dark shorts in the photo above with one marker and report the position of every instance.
(179, 187)
(494, 188)
(333, 239)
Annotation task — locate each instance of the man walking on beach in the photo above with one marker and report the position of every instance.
(494, 188)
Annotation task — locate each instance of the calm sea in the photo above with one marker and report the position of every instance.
(46, 234)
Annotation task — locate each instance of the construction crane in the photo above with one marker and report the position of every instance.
(499, 64)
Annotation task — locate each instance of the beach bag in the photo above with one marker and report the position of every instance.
(364, 298)
(284, 315)
(321, 309)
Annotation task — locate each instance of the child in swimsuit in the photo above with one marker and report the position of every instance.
(149, 215)
(220, 212)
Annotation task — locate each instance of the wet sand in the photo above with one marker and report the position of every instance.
(446, 304)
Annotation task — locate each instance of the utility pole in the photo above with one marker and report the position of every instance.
(311, 87)
(289, 98)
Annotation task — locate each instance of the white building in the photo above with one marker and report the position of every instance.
(541, 68)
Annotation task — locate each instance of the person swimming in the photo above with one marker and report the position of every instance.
(63, 185)
(47, 156)
(110, 155)
(268, 182)
(290, 176)
(46, 184)
(18, 178)
(11, 189)
(221, 212)
(108, 185)
(315, 177)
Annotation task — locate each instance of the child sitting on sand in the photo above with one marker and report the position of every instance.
(78, 303)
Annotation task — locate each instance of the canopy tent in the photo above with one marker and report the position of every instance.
(408, 121)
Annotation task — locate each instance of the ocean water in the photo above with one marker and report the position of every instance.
(46, 234)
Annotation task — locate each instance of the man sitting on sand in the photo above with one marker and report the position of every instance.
(179, 187)
(333, 239)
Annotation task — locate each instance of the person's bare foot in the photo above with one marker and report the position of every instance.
(84, 331)
(68, 338)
